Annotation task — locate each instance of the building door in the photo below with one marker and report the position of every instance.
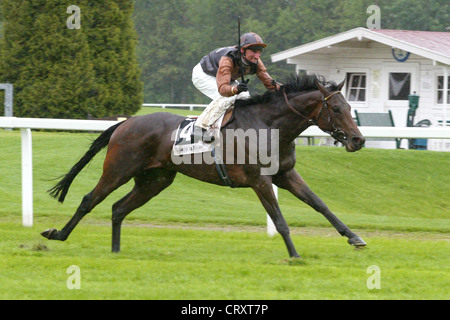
(399, 82)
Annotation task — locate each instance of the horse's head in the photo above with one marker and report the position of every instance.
(334, 117)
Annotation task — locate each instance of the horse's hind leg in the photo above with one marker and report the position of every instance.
(104, 187)
(265, 193)
(293, 182)
(147, 185)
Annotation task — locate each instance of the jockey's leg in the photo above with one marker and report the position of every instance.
(200, 133)
(217, 109)
(207, 85)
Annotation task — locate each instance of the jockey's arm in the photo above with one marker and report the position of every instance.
(223, 78)
(265, 78)
(224, 73)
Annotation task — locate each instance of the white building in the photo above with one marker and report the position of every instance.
(382, 67)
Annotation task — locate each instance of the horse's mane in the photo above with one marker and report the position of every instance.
(295, 84)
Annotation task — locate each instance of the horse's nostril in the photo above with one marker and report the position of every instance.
(358, 140)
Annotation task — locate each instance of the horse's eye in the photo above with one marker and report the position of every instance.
(335, 108)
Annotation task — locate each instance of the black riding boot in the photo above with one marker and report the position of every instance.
(201, 134)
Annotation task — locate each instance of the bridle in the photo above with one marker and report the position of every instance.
(337, 134)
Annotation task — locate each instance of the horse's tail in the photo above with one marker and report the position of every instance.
(62, 187)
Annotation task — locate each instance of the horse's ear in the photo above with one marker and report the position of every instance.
(321, 88)
(340, 85)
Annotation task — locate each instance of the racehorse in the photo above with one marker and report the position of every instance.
(141, 148)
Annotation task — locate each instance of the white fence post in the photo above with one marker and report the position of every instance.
(8, 98)
(27, 178)
(271, 230)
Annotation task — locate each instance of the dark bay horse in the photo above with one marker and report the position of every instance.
(141, 148)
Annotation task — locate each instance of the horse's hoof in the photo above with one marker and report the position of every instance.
(357, 242)
(115, 250)
(49, 234)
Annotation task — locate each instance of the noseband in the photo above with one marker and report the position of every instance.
(335, 133)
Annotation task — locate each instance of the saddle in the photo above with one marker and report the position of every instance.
(183, 144)
(228, 117)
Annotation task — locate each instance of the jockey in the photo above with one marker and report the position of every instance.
(216, 76)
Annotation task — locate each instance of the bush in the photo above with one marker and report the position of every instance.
(59, 72)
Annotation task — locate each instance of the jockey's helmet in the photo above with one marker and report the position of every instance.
(251, 39)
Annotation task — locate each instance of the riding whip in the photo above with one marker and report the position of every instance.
(239, 49)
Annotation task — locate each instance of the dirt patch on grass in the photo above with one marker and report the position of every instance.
(306, 231)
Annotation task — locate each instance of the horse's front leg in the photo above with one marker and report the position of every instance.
(265, 193)
(293, 182)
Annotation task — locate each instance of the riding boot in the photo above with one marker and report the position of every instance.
(201, 134)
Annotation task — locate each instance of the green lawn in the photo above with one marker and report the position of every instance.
(200, 241)
(175, 263)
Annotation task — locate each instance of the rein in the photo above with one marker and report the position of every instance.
(324, 104)
(293, 109)
(336, 133)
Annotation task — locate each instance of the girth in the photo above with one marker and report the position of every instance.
(221, 169)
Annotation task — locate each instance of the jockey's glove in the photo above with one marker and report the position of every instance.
(242, 86)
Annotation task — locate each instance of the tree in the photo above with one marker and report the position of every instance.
(164, 49)
(175, 34)
(415, 15)
(112, 41)
(69, 73)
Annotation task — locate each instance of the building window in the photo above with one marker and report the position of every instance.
(399, 85)
(440, 90)
(356, 86)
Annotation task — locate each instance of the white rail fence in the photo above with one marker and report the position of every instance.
(175, 105)
(26, 124)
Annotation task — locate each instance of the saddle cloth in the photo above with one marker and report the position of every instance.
(183, 144)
